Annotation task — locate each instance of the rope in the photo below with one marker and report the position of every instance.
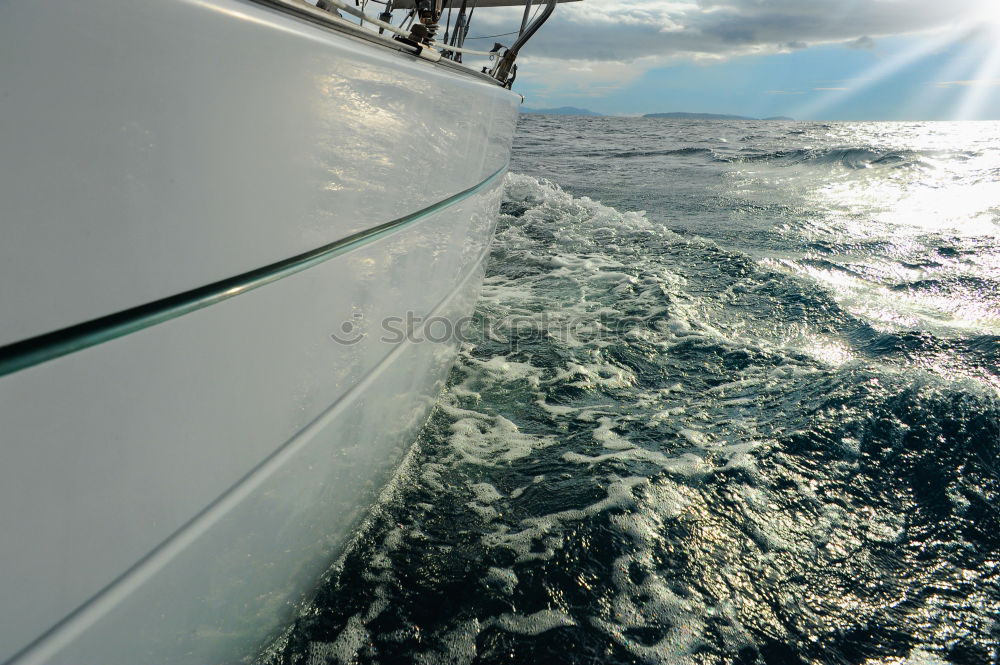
(456, 49)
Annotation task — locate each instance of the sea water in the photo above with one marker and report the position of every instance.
(731, 397)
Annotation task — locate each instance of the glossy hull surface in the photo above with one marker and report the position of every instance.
(168, 494)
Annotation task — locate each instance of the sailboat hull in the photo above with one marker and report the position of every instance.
(213, 243)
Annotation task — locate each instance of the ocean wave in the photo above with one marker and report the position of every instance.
(850, 157)
(674, 152)
(732, 476)
(981, 286)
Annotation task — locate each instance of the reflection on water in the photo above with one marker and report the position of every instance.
(787, 455)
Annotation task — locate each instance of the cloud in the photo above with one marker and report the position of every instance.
(862, 43)
(558, 79)
(625, 30)
(617, 41)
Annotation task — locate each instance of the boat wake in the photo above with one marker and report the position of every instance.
(660, 451)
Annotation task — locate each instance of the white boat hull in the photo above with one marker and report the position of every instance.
(170, 490)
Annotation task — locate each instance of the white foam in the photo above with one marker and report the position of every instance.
(607, 438)
(458, 645)
(342, 650)
(503, 579)
(485, 493)
(534, 624)
(491, 440)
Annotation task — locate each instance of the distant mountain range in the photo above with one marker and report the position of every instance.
(562, 110)
(572, 110)
(710, 116)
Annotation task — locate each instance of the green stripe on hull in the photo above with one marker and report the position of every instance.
(36, 350)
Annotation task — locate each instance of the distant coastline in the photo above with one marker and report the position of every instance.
(562, 110)
(710, 116)
(675, 115)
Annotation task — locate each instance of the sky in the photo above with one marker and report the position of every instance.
(808, 59)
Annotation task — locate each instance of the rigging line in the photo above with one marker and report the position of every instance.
(436, 48)
(468, 21)
(502, 34)
(458, 19)
(506, 34)
(459, 39)
(447, 23)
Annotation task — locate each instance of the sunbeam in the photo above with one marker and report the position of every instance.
(978, 89)
(965, 39)
(985, 78)
(876, 75)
